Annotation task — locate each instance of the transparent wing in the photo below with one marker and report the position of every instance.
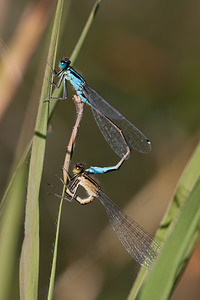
(112, 134)
(139, 243)
(117, 131)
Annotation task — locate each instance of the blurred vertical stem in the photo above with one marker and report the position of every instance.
(179, 230)
(23, 43)
(11, 223)
(85, 31)
(29, 264)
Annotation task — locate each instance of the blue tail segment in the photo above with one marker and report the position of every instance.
(101, 170)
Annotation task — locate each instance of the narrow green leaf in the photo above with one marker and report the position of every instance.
(29, 265)
(39, 141)
(184, 189)
(57, 94)
(85, 31)
(176, 251)
(53, 268)
(11, 224)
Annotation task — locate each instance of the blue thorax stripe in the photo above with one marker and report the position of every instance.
(75, 74)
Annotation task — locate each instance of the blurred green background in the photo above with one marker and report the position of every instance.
(143, 58)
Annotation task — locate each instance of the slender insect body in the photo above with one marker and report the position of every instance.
(121, 135)
(91, 188)
(137, 241)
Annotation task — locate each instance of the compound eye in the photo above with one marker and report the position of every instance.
(78, 168)
(62, 64)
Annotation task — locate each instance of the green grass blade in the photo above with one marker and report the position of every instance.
(11, 225)
(85, 31)
(57, 94)
(179, 208)
(176, 251)
(53, 268)
(39, 138)
(29, 265)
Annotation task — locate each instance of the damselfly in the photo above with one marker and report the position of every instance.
(121, 135)
(139, 243)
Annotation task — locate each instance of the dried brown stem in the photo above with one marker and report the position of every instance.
(72, 142)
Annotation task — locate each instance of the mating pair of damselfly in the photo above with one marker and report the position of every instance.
(122, 136)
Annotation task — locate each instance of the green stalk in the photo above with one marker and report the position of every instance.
(57, 94)
(179, 232)
(36, 148)
(29, 264)
(85, 31)
(11, 224)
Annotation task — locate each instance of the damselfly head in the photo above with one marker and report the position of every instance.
(64, 63)
(79, 168)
